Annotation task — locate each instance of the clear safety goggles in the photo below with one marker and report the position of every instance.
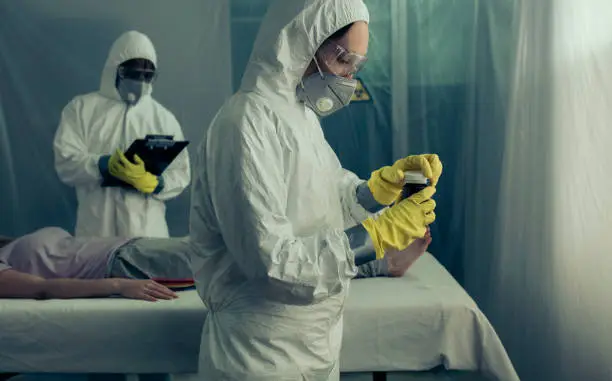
(340, 61)
(137, 74)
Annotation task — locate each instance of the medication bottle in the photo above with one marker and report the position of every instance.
(413, 182)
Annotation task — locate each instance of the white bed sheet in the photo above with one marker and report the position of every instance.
(391, 324)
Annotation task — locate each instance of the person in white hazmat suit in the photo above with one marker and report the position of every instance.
(272, 208)
(118, 197)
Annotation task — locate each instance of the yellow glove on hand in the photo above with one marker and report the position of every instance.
(386, 183)
(134, 174)
(397, 227)
(429, 165)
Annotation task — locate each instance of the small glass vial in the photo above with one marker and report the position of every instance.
(414, 182)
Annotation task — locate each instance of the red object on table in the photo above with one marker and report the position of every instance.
(175, 283)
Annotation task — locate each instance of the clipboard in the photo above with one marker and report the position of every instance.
(157, 152)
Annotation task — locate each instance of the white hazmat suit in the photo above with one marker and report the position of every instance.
(270, 204)
(96, 124)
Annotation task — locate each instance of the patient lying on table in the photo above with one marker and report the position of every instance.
(52, 264)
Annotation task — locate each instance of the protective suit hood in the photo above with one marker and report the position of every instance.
(129, 45)
(288, 39)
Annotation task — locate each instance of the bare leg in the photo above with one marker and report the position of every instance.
(399, 262)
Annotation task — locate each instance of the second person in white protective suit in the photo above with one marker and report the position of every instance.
(272, 207)
(117, 197)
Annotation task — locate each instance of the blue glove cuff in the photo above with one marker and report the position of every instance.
(365, 198)
(103, 167)
(364, 255)
(160, 185)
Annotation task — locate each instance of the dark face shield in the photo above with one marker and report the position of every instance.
(138, 69)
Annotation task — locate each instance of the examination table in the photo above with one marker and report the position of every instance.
(406, 328)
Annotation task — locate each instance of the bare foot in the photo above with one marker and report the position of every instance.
(398, 262)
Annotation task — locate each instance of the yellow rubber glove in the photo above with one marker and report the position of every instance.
(429, 164)
(397, 227)
(134, 174)
(386, 183)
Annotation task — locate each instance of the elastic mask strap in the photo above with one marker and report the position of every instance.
(318, 68)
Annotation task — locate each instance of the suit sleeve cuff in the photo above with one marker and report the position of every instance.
(366, 199)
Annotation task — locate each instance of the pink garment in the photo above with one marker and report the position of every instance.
(54, 253)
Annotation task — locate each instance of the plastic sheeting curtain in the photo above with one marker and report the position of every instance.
(51, 51)
(546, 281)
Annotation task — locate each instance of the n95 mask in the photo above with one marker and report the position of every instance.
(326, 93)
(132, 90)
